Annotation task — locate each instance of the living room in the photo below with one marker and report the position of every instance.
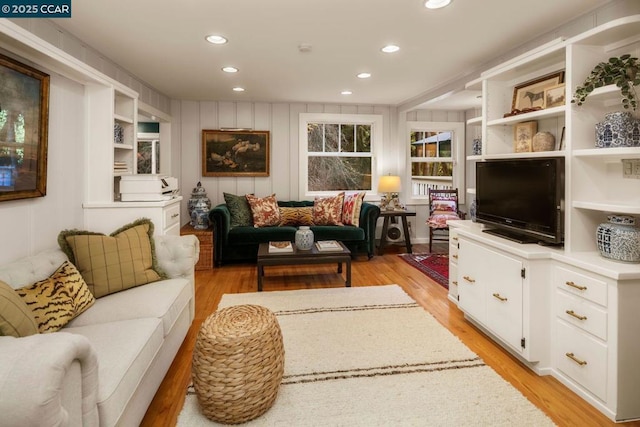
(35, 223)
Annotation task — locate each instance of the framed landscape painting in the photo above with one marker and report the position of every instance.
(24, 123)
(235, 153)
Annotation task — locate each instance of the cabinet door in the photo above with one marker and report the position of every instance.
(471, 288)
(504, 296)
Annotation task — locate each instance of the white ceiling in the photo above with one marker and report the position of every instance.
(162, 43)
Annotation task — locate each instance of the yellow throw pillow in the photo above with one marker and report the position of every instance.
(58, 299)
(110, 264)
(16, 319)
(294, 216)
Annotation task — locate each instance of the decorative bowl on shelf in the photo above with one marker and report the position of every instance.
(544, 141)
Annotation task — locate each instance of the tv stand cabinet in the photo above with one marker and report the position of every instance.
(569, 315)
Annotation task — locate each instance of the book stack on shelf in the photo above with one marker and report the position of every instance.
(280, 247)
(328, 246)
(120, 167)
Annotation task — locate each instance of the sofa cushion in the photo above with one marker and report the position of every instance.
(328, 210)
(351, 208)
(57, 300)
(239, 209)
(346, 233)
(109, 264)
(264, 210)
(164, 300)
(296, 216)
(16, 319)
(240, 236)
(125, 350)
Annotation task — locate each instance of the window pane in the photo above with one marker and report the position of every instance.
(431, 169)
(363, 138)
(444, 147)
(339, 173)
(347, 138)
(314, 136)
(145, 149)
(331, 138)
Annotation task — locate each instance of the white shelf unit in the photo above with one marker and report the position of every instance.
(594, 188)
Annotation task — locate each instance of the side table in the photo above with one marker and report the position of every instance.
(388, 215)
(206, 245)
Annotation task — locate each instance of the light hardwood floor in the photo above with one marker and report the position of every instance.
(563, 406)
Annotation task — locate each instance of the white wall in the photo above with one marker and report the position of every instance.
(31, 225)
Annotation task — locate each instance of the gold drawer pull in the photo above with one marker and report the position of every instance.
(469, 279)
(455, 238)
(577, 316)
(575, 359)
(175, 215)
(501, 298)
(573, 285)
(454, 256)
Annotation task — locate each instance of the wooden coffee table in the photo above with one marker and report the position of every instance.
(298, 257)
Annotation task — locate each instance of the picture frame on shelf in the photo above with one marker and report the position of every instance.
(554, 96)
(523, 136)
(235, 153)
(24, 124)
(561, 143)
(530, 94)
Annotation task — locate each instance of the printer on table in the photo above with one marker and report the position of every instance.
(147, 188)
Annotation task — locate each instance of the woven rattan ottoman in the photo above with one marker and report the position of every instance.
(238, 362)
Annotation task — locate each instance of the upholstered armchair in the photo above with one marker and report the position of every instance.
(443, 206)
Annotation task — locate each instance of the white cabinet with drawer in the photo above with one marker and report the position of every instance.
(453, 265)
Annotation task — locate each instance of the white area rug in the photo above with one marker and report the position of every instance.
(370, 356)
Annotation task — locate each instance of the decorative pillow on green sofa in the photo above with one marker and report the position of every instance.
(296, 216)
(328, 210)
(264, 210)
(16, 319)
(110, 264)
(58, 299)
(351, 208)
(239, 209)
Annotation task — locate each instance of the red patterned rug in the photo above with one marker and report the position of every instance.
(435, 266)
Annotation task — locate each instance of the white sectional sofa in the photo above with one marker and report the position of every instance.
(104, 367)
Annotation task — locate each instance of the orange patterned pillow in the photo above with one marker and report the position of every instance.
(296, 216)
(328, 210)
(265, 211)
(351, 208)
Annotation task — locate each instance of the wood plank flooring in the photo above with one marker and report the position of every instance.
(563, 406)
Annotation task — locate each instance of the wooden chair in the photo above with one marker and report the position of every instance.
(443, 206)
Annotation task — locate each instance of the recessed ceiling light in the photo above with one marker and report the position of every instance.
(436, 4)
(390, 48)
(346, 92)
(364, 75)
(230, 69)
(238, 89)
(215, 39)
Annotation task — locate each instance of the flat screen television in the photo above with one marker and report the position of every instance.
(522, 199)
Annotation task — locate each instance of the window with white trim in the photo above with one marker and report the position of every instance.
(435, 153)
(337, 152)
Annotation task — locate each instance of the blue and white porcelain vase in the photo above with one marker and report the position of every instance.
(473, 209)
(304, 238)
(476, 148)
(619, 239)
(198, 195)
(200, 214)
(619, 129)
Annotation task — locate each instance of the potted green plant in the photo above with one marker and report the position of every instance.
(622, 71)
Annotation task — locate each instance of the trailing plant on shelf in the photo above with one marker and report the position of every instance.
(624, 72)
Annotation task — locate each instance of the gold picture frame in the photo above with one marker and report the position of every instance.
(235, 153)
(523, 136)
(530, 94)
(24, 125)
(554, 96)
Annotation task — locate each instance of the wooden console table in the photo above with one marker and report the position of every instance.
(388, 215)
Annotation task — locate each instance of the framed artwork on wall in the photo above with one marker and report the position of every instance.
(523, 136)
(554, 96)
(530, 94)
(24, 124)
(235, 153)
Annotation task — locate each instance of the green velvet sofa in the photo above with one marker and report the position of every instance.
(240, 244)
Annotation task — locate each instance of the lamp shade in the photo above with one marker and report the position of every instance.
(389, 184)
